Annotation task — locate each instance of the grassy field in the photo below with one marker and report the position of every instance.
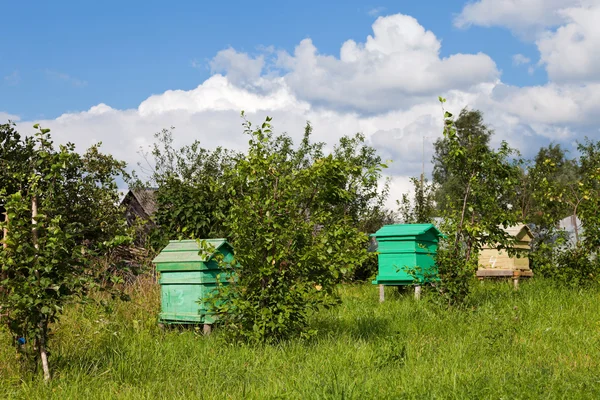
(541, 342)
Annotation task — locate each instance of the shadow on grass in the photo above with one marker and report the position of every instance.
(368, 327)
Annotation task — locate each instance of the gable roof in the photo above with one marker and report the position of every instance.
(406, 230)
(188, 251)
(516, 230)
(145, 197)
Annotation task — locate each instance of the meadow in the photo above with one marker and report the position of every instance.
(540, 342)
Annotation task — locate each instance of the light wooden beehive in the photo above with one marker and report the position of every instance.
(491, 258)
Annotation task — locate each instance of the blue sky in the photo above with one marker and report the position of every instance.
(66, 56)
(117, 72)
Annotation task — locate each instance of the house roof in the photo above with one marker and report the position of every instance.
(188, 251)
(146, 198)
(405, 230)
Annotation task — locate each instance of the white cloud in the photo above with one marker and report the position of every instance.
(61, 76)
(521, 16)
(570, 53)
(566, 32)
(550, 104)
(240, 68)
(398, 66)
(386, 88)
(376, 11)
(520, 59)
(4, 117)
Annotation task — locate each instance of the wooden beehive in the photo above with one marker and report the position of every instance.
(405, 247)
(187, 276)
(494, 262)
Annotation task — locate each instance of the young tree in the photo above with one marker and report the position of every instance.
(421, 209)
(293, 226)
(478, 206)
(474, 137)
(62, 212)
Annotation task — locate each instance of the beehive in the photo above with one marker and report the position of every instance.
(494, 262)
(187, 276)
(404, 248)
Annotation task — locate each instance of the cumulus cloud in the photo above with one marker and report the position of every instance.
(522, 16)
(520, 59)
(386, 87)
(398, 66)
(4, 117)
(570, 53)
(566, 32)
(241, 69)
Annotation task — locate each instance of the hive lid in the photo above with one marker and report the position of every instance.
(519, 231)
(187, 251)
(396, 230)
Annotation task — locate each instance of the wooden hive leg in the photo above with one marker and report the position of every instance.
(417, 292)
(516, 280)
(381, 293)
(207, 329)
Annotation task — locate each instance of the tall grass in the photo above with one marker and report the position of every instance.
(540, 342)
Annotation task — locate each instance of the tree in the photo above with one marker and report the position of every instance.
(479, 205)
(473, 136)
(367, 208)
(14, 152)
(62, 213)
(567, 187)
(293, 227)
(421, 209)
(589, 186)
(192, 199)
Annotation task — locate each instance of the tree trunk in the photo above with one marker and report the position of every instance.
(5, 231)
(574, 222)
(34, 213)
(43, 352)
(44, 323)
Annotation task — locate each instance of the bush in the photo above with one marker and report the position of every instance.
(456, 275)
(572, 267)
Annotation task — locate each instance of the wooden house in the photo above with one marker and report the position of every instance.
(139, 203)
(498, 263)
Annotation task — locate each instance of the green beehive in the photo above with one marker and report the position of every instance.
(404, 248)
(187, 277)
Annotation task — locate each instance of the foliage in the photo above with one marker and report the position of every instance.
(421, 209)
(367, 208)
(567, 187)
(478, 208)
(473, 136)
(542, 185)
(575, 268)
(293, 227)
(192, 199)
(61, 214)
(589, 188)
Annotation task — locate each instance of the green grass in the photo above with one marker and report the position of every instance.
(540, 342)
